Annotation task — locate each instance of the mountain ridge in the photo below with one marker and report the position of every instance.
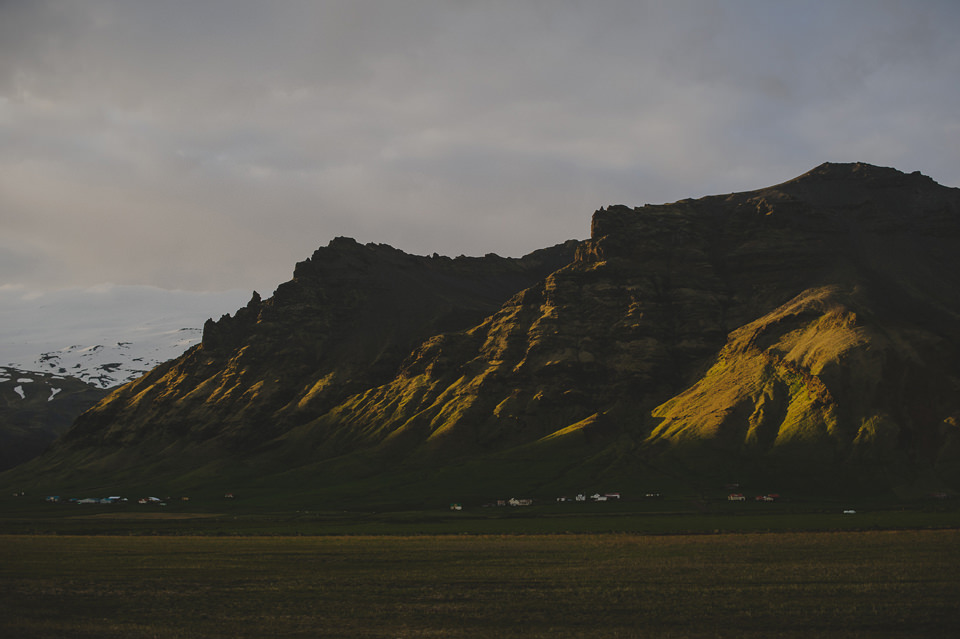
(805, 333)
(340, 298)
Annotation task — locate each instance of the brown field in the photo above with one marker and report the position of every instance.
(841, 584)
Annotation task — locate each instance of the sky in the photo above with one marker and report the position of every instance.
(209, 145)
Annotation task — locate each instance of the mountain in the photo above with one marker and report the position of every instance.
(72, 344)
(802, 336)
(343, 324)
(105, 335)
(113, 364)
(35, 409)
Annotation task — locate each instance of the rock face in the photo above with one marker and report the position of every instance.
(807, 332)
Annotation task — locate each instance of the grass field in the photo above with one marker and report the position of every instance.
(842, 584)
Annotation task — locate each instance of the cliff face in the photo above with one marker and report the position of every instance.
(806, 330)
(343, 324)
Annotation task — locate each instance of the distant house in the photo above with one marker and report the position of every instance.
(849, 512)
(612, 495)
(520, 502)
(456, 507)
(581, 497)
(228, 496)
(55, 499)
(598, 497)
(736, 497)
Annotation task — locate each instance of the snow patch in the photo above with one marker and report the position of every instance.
(53, 393)
(24, 380)
(19, 391)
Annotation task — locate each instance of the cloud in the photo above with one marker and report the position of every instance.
(211, 145)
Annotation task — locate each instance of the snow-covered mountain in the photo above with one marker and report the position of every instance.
(105, 335)
(108, 365)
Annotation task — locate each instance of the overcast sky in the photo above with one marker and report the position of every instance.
(210, 145)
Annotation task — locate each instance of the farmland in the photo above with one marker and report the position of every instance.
(842, 584)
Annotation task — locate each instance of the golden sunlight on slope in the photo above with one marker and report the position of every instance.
(778, 380)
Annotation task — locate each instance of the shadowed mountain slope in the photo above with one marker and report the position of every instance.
(36, 408)
(805, 334)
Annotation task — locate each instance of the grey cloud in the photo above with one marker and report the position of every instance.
(213, 144)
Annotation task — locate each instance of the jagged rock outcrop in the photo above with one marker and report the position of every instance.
(808, 332)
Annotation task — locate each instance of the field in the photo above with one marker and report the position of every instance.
(840, 584)
(663, 568)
